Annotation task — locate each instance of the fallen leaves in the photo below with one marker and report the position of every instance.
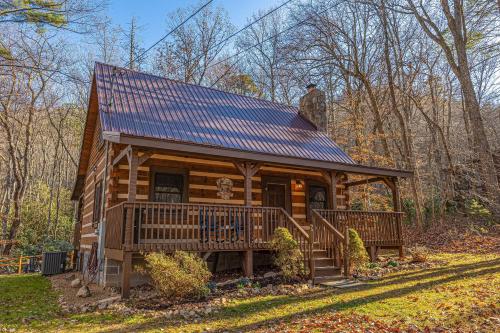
(456, 235)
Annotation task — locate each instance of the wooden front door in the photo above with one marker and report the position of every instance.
(276, 193)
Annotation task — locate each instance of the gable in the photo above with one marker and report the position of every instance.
(87, 141)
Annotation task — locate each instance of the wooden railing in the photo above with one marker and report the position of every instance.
(304, 240)
(374, 228)
(195, 227)
(327, 238)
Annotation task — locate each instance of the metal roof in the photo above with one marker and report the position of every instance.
(144, 105)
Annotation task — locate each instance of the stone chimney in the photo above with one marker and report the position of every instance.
(313, 107)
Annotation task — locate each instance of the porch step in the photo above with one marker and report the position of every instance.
(319, 253)
(323, 261)
(326, 271)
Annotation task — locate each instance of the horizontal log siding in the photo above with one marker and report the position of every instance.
(95, 172)
(202, 177)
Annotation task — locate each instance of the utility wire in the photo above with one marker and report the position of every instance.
(169, 33)
(69, 76)
(119, 71)
(243, 29)
(265, 40)
(257, 44)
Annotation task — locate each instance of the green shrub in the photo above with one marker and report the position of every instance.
(358, 257)
(288, 256)
(479, 211)
(419, 253)
(180, 275)
(392, 263)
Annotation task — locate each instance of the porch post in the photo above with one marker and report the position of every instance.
(333, 188)
(133, 162)
(396, 200)
(248, 170)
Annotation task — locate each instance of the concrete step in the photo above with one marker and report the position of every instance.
(341, 284)
(329, 278)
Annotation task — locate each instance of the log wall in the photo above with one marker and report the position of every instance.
(95, 172)
(202, 174)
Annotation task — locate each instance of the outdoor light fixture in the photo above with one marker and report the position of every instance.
(299, 184)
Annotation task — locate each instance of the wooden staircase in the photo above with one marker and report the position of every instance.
(327, 248)
(324, 267)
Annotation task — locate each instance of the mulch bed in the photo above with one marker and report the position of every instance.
(229, 286)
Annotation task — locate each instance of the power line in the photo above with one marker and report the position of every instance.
(169, 33)
(46, 70)
(117, 71)
(265, 40)
(243, 29)
(252, 23)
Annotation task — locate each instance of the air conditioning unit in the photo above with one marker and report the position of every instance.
(53, 263)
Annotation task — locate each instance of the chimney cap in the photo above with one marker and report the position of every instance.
(311, 85)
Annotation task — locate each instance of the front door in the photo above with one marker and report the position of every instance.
(275, 193)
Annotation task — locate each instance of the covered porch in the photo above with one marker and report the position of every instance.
(139, 223)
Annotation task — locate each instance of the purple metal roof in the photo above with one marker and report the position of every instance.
(145, 105)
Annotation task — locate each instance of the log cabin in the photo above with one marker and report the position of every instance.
(167, 165)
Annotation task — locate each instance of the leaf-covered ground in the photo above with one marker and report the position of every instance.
(461, 296)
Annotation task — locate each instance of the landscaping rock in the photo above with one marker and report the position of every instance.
(76, 283)
(228, 282)
(270, 275)
(104, 303)
(70, 277)
(84, 291)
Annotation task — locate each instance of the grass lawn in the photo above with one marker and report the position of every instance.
(463, 294)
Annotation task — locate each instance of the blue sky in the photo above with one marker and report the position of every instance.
(151, 14)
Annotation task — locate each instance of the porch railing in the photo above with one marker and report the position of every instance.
(327, 238)
(195, 227)
(374, 228)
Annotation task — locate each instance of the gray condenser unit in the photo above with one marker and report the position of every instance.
(53, 263)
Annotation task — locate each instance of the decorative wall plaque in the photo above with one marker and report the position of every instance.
(225, 187)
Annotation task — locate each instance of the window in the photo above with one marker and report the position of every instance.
(168, 187)
(97, 203)
(317, 197)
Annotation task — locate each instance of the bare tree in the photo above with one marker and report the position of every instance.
(22, 98)
(132, 45)
(464, 21)
(194, 47)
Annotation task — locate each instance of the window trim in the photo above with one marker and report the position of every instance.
(97, 204)
(153, 170)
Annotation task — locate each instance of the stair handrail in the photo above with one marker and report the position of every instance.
(294, 223)
(327, 224)
(303, 238)
(339, 243)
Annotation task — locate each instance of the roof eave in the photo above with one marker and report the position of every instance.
(121, 138)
